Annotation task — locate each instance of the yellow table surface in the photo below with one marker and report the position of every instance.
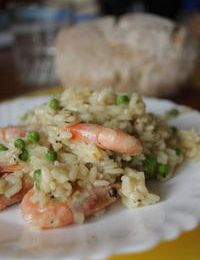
(186, 246)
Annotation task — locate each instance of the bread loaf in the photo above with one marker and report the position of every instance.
(139, 52)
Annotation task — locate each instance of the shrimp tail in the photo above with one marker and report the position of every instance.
(100, 198)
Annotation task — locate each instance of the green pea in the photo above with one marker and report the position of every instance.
(33, 137)
(37, 178)
(3, 148)
(150, 165)
(51, 156)
(20, 144)
(174, 112)
(54, 104)
(24, 155)
(122, 100)
(163, 169)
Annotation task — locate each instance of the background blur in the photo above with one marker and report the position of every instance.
(28, 30)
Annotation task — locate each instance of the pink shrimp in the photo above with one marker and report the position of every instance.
(106, 138)
(12, 131)
(56, 213)
(27, 184)
(7, 168)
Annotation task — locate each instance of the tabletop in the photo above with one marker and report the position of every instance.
(184, 247)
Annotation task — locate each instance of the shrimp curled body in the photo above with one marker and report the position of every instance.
(105, 138)
(5, 134)
(27, 184)
(55, 213)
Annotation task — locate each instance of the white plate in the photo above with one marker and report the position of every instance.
(119, 229)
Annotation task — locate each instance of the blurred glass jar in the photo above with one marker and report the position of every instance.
(35, 31)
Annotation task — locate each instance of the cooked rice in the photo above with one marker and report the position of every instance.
(90, 166)
(190, 143)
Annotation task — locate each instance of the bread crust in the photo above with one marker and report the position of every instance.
(140, 52)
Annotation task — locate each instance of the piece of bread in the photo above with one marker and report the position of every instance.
(139, 52)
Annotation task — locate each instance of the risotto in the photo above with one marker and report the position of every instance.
(57, 164)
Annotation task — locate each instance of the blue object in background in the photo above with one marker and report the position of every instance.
(81, 17)
(41, 14)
